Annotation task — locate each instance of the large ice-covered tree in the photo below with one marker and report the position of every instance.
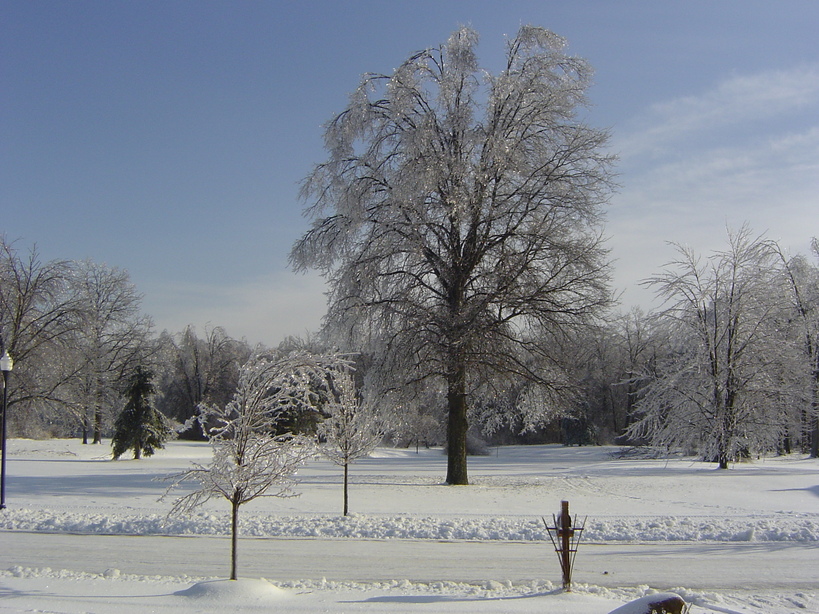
(458, 216)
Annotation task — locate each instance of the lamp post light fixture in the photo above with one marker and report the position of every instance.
(6, 363)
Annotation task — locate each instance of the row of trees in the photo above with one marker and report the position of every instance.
(77, 333)
(87, 362)
(458, 220)
(728, 368)
(739, 374)
(74, 330)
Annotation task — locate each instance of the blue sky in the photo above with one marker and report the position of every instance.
(169, 138)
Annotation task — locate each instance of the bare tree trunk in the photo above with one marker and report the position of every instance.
(457, 428)
(814, 419)
(346, 467)
(234, 533)
(98, 414)
(725, 438)
(613, 407)
(97, 426)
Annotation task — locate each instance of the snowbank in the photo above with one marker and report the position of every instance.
(795, 527)
(63, 591)
(222, 592)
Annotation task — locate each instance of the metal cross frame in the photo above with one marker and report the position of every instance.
(565, 536)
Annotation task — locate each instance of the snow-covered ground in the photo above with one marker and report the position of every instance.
(86, 534)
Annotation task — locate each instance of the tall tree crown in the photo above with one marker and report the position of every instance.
(447, 184)
(458, 216)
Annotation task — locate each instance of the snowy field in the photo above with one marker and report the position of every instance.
(83, 533)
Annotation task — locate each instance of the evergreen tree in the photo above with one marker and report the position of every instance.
(140, 427)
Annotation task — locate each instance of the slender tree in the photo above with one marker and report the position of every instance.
(458, 217)
(352, 429)
(249, 461)
(139, 426)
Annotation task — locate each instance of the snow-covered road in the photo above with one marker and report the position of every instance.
(700, 566)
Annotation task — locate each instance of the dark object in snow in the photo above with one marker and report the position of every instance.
(576, 431)
(659, 603)
(565, 538)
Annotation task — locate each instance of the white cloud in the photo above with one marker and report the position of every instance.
(733, 102)
(747, 151)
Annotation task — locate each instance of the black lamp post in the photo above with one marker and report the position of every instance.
(6, 363)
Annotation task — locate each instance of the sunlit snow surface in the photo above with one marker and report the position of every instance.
(63, 487)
